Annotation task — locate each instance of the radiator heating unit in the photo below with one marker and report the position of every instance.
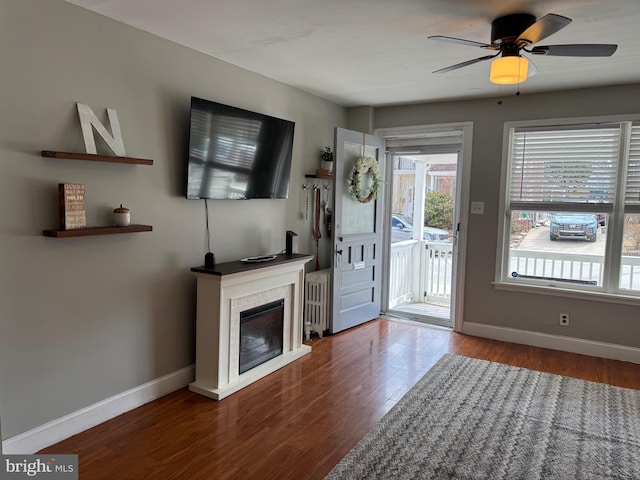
(316, 304)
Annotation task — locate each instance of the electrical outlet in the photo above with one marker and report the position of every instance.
(564, 319)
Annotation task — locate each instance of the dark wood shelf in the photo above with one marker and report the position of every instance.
(88, 231)
(322, 177)
(96, 158)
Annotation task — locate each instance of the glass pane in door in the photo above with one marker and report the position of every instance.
(421, 256)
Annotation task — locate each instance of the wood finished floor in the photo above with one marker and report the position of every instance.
(298, 422)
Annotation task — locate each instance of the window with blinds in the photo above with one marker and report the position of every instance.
(632, 190)
(572, 205)
(573, 165)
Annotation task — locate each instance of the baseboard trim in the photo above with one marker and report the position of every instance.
(555, 342)
(61, 428)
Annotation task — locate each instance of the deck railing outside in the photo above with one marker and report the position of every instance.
(421, 272)
(587, 268)
(402, 272)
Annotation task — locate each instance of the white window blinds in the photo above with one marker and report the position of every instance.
(632, 191)
(574, 164)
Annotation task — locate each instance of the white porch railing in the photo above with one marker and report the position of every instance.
(585, 268)
(401, 272)
(437, 268)
(630, 274)
(421, 271)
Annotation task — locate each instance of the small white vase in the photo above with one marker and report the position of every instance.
(328, 166)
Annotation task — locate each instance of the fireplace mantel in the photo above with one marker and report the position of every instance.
(226, 290)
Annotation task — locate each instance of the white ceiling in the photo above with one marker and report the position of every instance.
(376, 52)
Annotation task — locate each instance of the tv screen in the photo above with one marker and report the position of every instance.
(236, 153)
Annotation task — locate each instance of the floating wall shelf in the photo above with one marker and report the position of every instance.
(89, 231)
(322, 177)
(96, 158)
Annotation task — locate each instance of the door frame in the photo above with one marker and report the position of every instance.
(432, 132)
(418, 282)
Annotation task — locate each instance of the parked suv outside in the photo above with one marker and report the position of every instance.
(578, 226)
(402, 229)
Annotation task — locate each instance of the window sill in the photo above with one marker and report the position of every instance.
(563, 292)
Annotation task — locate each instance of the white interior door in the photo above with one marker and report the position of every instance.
(356, 265)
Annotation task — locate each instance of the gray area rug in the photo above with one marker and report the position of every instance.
(473, 419)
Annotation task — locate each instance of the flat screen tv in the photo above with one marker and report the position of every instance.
(237, 154)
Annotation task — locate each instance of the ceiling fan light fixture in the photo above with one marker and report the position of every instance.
(509, 70)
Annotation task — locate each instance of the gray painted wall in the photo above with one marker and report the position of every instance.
(612, 323)
(83, 319)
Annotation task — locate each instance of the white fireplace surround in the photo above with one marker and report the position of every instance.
(222, 295)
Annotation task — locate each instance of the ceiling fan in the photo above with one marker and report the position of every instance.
(517, 32)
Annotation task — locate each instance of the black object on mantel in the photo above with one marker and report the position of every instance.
(229, 268)
(292, 242)
(209, 260)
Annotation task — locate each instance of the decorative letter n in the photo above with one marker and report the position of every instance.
(88, 118)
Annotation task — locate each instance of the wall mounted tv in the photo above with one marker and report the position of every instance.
(236, 153)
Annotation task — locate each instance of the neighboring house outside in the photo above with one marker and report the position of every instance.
(404, 174)
(440, 178)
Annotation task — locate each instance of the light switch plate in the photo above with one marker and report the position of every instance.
(477, 208)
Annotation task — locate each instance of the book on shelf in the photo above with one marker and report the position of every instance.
(71, 206)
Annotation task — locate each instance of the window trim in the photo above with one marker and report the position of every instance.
(604, 292)
(568, 293)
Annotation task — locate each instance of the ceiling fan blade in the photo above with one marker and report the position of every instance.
(464, 64)
(545, 26)
(577, 50)
(461, 41)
